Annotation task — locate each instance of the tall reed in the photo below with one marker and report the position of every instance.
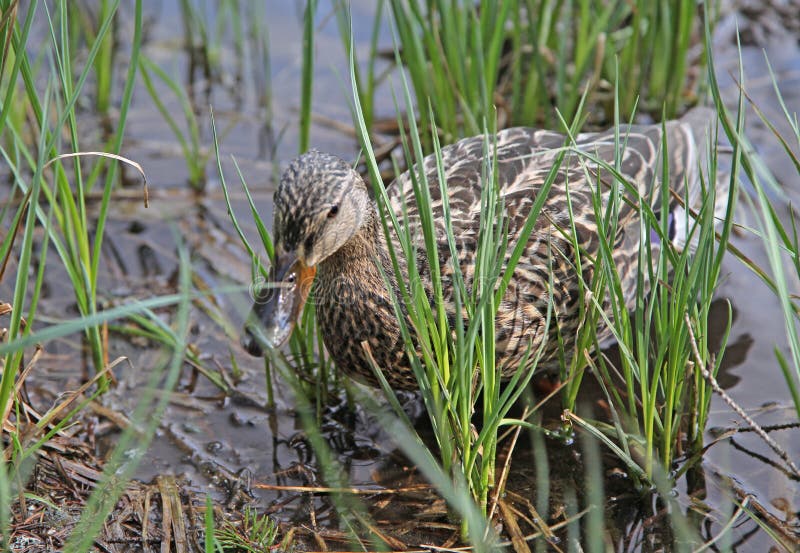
(453, 356)
(657, 348)
(779, 236)
(527, 57)
(307, 80)
(195, 156)
(75, 237)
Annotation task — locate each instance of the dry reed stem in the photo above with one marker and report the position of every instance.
(733, 405)
(111, 156)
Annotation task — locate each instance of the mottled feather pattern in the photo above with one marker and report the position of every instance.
(353, 304)
(524, 158)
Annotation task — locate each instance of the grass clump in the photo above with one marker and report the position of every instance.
(194, 154)
(658, 404)
(255, 533)
(458, 370)
(76, 238)
(657, 394)
(527, 57)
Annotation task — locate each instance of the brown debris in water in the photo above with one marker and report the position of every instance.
(164, 515)
(401, 512)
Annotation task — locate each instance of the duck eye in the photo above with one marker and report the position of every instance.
(333, 211)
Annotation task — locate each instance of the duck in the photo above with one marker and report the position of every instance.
(330, 243)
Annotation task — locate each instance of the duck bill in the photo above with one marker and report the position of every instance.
(278, 304)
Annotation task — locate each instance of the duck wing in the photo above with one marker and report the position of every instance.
(523, 158)
(547, 279)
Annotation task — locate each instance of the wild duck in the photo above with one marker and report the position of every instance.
(327, 232)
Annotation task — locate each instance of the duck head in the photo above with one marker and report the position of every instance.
(320, 204)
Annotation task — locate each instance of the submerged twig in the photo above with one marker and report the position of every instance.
(517, 538)
(733, 405)
(753, 507)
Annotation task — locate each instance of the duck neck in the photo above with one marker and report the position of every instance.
(359, 255)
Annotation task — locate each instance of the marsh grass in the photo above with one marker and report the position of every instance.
(453, 56)
(205, 30)
(203, 33)
(658, 402)
(653, 50)
(366, 80)
(307, 80)
(76, 238)
(457, 369)
(527, 57)
(10, 63)
(195, 156)
(85, 22)
(780, 237)
(259, 50)
(215, 40)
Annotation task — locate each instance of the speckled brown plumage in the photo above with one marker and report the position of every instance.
(323, 213)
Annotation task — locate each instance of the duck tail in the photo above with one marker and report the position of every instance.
(700, 128)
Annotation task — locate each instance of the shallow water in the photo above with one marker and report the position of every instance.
(211, 438)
